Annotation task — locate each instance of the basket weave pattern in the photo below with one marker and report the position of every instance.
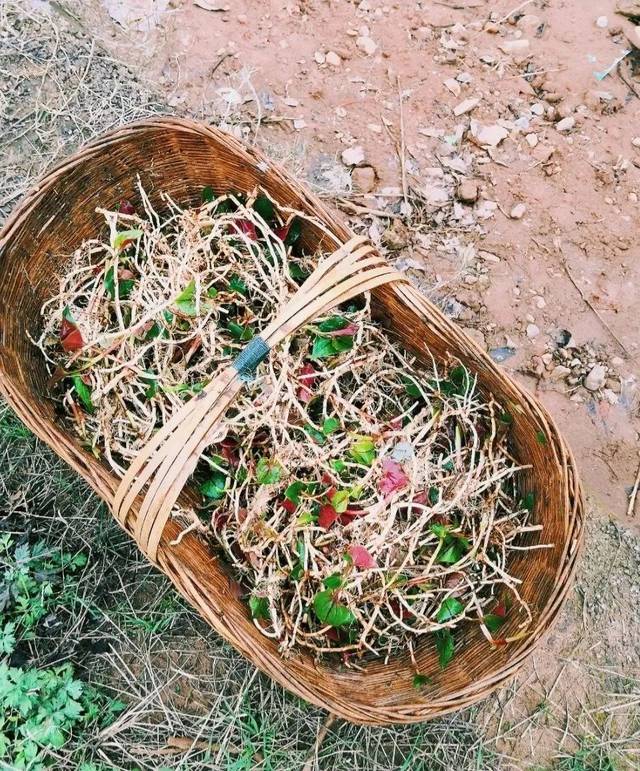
(180, 157)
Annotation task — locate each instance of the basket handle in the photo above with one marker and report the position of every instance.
(171, 456)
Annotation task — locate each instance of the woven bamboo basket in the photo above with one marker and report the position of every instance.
(180, 157)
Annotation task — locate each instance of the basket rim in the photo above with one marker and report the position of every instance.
(104, 484)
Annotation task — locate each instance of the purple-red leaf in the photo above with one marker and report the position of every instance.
(393, 478)
(327, 516)
(248, 228)
(70, 336)
(126, 207)
(361, 557)
(348, 331)
(306, 378)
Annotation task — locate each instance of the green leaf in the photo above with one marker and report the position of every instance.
(268, 472)
(331, 612)
(295, 231)
(363, 450)
(301, 550)
(264, 207)
(185, 301)
(152, 385)
(333, 323)
(236, 284)
(207, 194)
(434, 495)
(322, 348)
(297, 272)
(342, 344)
(125, 285)
(445, 645)
(212, 292)
(240, 332)
(84, 393)
(440, 530)
(450, 608)
(338, 465)
(215, 486)
(334, 581)
(292, 492)
(411, 389)
(66, 314)
(259, 607)
(506, 418)
(451, 554)
(330, 426)
(123, 236)
(306, 518)
(493, 622)
(340, 500)
(316, 435)
(461, 380)
(419, 681)
(528, 502)
(541, 437)
(296, 572)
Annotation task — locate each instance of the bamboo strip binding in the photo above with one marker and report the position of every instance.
(169, 459)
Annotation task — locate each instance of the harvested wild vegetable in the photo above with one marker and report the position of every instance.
(364, 499)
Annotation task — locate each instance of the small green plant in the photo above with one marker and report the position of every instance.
(40, 709)
(28, 580)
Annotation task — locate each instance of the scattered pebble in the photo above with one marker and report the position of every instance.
(363, 179)
(353, 156)
(319, 57)
(488, 136)
(466, 106)
(636, 141)
(453, 86)
(502, 354)
(566, 124)
(602, 22)
(560, 372)
(366, 44)
(467, 191)
(517, 211)
(333, 60)
(533, 330)
(532, 140)
(299, 124)
(519, 46)
(596, 378)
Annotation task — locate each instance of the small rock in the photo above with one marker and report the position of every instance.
(533, 330)
(467, 191)
(566, 124)
(319, 57)
(532, 140)
(539, 302)
(543, 153)
(514, 46)
(613, 384)
(332, 59)
(547, 358)
(367, 45)
(617, 361)
(353, 156)
(560, 372)
(488, 256)
(502, 354)
(537, 108)
(465, 106)
(299, 124)
(602, 22)
(341, 112)
(453, 86)
(517, 211)
(487, 136)
(477, 336)
(364, 179)
(596, 378)
(636, 141)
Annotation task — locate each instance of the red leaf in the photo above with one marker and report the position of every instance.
(283, 231)
(500, 610)
(126, 207)
(399, 609)
(393, 478)
(70, 336)
(288, 506)
(500, 643)
(421, 497)
(348, 331)
(350, 514)
(361, 557)
(307, 378)
(248, 228)
(326, 479)
(328, 515)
